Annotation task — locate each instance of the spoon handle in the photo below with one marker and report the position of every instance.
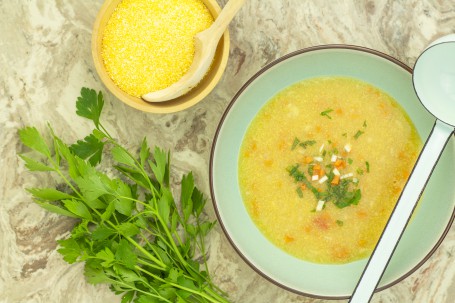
(402, 212)
(225, 17)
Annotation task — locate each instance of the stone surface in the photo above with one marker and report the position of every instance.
(45, 59)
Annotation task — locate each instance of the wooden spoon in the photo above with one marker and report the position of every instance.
(205, 47)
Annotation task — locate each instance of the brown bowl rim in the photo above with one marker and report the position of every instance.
(170, 106)
(212, 194)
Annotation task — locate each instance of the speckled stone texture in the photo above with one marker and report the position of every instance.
(45, 59)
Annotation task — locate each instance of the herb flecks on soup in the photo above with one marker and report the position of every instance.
(322, 166)
(329, 174)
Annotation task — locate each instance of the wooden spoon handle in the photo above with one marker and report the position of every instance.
(224, 18)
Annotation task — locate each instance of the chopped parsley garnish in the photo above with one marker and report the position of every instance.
(307, 143)
(328, 175)
(327, 112)
(303, 144)
(341, 193)
(299, 192)
(295, 143)
(358, 134)
(310, 170)
(339, 222)
(365, 123)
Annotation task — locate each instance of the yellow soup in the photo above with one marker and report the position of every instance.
(322, 166)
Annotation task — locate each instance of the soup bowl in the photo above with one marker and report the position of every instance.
(425, 232)
(183, 102)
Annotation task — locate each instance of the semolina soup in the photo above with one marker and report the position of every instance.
(322, 165)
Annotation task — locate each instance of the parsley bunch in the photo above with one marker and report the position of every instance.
(131, 233)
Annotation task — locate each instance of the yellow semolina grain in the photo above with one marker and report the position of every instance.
(149, 44)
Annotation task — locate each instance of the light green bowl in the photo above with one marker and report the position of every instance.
(425, 232)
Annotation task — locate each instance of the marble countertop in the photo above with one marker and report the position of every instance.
(45, 59)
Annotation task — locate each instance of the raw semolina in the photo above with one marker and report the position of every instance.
(149, 44)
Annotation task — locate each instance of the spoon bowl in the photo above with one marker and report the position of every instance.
(434, 79)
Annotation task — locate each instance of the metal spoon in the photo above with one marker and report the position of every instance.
(434, 83)
(205, 47)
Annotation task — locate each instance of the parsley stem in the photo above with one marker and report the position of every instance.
(104, 130)
(152, 188)
(156, 235)
(146, 253)
(113, 281)
(139, 247)
(202, 247)
(81, 197)
(60, 173)
(171, 243)
(216, 295)
(217, 298)
(144, 262)
(154, 193)
(175, 249)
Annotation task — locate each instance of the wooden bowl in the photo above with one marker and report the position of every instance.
(178, 104)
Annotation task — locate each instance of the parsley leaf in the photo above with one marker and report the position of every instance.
(94, 272)
(198, 201)
(295, 143)
(160, 166)
(145, 152)
(35, 165)
(299, 192)
(327, 112)
(107, 256)
(50, 194)
(186, 195)
(91, 147)
(77, 208)
(307, 143)
(122, 156)
(69, 249)
(102, 232)
(358, 134)
(89, 105)
(56, 209)
(128, 229)
(30, 137)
